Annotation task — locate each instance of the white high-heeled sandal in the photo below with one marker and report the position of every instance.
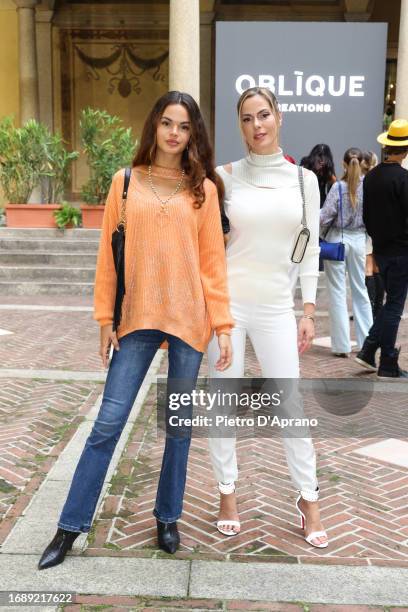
(314, 534)
(227, 489)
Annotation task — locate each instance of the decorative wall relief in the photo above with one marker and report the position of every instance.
(125, 66)
(120, 71)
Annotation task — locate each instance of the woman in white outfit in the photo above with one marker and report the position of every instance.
(348, 192)
(264, 205)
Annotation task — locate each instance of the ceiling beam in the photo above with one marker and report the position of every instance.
(283, 10)
(207, 6)
(358, 10)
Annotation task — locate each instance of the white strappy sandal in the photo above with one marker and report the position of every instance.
(314, 534)
(227, 489)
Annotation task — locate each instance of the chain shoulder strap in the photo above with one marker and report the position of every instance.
(122, 218)
(302, 191)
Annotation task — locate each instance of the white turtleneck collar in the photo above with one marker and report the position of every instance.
(271, 171)
(272, 160)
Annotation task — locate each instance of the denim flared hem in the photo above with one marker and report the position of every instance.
(166, 520)
(75, 529)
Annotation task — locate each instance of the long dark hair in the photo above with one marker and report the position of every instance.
(320, 161)
(197, 160)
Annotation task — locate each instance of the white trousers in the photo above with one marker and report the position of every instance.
(335, 271)
(274, 339)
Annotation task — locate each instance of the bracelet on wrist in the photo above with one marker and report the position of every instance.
(308, 316)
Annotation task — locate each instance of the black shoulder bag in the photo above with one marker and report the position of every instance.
(118, 250)
(226, 228)
(334, 251)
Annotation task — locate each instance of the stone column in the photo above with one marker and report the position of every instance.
(45, 74)
(401, 106)
(207, 86)
(29, 102)
(401, 102)
(184, 46)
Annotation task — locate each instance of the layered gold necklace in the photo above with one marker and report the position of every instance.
(164, 201)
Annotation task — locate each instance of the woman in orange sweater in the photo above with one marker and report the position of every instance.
(175, 291)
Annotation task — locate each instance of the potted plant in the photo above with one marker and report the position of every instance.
(31, 156)
(21, 164)
(67, 216)
(56, 172)
(108, 146)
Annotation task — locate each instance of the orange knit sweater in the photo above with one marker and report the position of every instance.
(175, 268)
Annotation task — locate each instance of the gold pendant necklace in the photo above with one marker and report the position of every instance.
(163, 202)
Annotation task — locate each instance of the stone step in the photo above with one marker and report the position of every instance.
(47, 261)
(43, 233)
(48, 245)
(38, 259)
(63, 288)
(47, 273)
(49, 288)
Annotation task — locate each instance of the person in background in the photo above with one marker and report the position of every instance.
(373, 280)
(320, 161)
(348, 192)
(385, 213)
(370, 161)
(388, 117)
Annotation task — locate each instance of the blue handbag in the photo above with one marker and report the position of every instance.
(333, 251)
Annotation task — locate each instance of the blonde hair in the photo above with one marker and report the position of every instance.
(352, 172)
(270, 98)
(370, 160)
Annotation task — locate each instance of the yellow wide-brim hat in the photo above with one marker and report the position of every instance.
(397, 135)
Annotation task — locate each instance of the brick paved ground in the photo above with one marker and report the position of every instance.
(364, 504)
(37, 418)
(364, 501)
(90, 603)
(60, 340)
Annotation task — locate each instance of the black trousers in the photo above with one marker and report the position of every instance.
(394, 272)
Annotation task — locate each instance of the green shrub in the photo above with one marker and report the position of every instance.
(31, 156)
(56, 173)
(22, 158)
(108, 147)
(67, 215)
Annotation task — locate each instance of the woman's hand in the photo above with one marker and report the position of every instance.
(225, 360)
(306, 334)
(108, 337)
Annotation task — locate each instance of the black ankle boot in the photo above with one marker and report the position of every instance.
(389, 368)
(168, 536)
(366, 357)
(57, 548)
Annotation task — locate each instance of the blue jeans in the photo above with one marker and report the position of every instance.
(394, 272)
(126, 374)
(335, 272)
